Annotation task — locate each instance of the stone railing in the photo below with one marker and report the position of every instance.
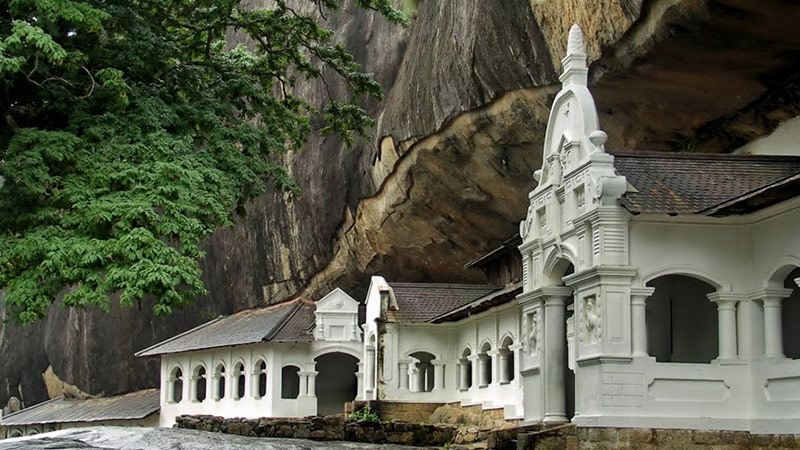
(328, 428)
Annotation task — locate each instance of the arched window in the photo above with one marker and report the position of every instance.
(790, 317)
(506, 355)
(260, 376)
(423, 371)
(199, 379)
(219, 382)
(176, 385)
(682, 324)
(465, 363)
(16, 432)
(484, 366)
(239, 378)
(290, 382)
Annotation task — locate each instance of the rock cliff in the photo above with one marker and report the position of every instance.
(468, 88)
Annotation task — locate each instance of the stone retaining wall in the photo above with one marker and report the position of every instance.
(571, 438)
(327, 428)
(408, 412)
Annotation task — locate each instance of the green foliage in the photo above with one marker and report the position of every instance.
(365, 413)
(131, 133)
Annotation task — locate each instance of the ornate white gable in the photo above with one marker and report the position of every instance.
(577, 184)
(337, 318)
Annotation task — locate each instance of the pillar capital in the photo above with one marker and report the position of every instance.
(640, 294)
(726, 300)
(437, 362)
(770, 294)
(514, 347)
(493, 352)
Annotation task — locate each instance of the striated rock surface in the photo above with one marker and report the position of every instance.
(468, 89)
(131, 438)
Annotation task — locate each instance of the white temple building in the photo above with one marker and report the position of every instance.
(644, 290)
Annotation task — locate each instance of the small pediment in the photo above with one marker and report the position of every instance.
(337, 301)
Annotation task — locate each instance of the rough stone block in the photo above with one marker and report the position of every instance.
(672, 437)
(635, 436)
(318, 434)
(706, 437)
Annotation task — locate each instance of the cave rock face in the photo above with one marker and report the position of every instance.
(468, 88)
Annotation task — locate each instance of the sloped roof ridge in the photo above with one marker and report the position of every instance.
(701, 156)
(450, 285)
(298, 303)
(29, 408)
(177, 336)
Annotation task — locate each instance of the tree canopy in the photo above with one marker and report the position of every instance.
(131, 132)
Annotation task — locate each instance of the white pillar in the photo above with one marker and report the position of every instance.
(438, 375)
(303, 383)
(370, 373)
(402, 373)
(555, 354)
(494, 365)
(517, 349)
(360, 382)
(504, 377)
(639, 320)
(773, 321)
(726, 313)
(312, 384)
(484, 370)
(419, 377)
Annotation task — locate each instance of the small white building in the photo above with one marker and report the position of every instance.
(136, 409)
(294, 359)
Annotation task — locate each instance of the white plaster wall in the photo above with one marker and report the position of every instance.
(739, 255)
(447, 342)
(276, 355)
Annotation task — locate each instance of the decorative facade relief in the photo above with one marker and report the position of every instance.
(532, 336)
(591, 323)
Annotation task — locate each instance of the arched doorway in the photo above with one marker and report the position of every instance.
(336, 382)
(682, 323)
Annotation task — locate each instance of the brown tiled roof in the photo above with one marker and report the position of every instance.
(421, 302)
(492, 299)
(709, 184)
(133, 406)
(284, 322)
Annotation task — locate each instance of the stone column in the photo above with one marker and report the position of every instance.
(312, 384)
(402, 373)
(186, 387)
(483, 371)
(360, 382)
(438, 375)
(476, 369)
(303, 383)
(504, 377)
(370, 373)
(555, 354)
(419, 377)
(773, 322)
(517, 355)
(494, 365)
(639, 298)
(726, 313)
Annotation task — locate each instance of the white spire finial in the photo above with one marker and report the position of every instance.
(574, 63)
(575, 43)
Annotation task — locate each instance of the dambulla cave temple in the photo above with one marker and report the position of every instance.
(571, 212)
